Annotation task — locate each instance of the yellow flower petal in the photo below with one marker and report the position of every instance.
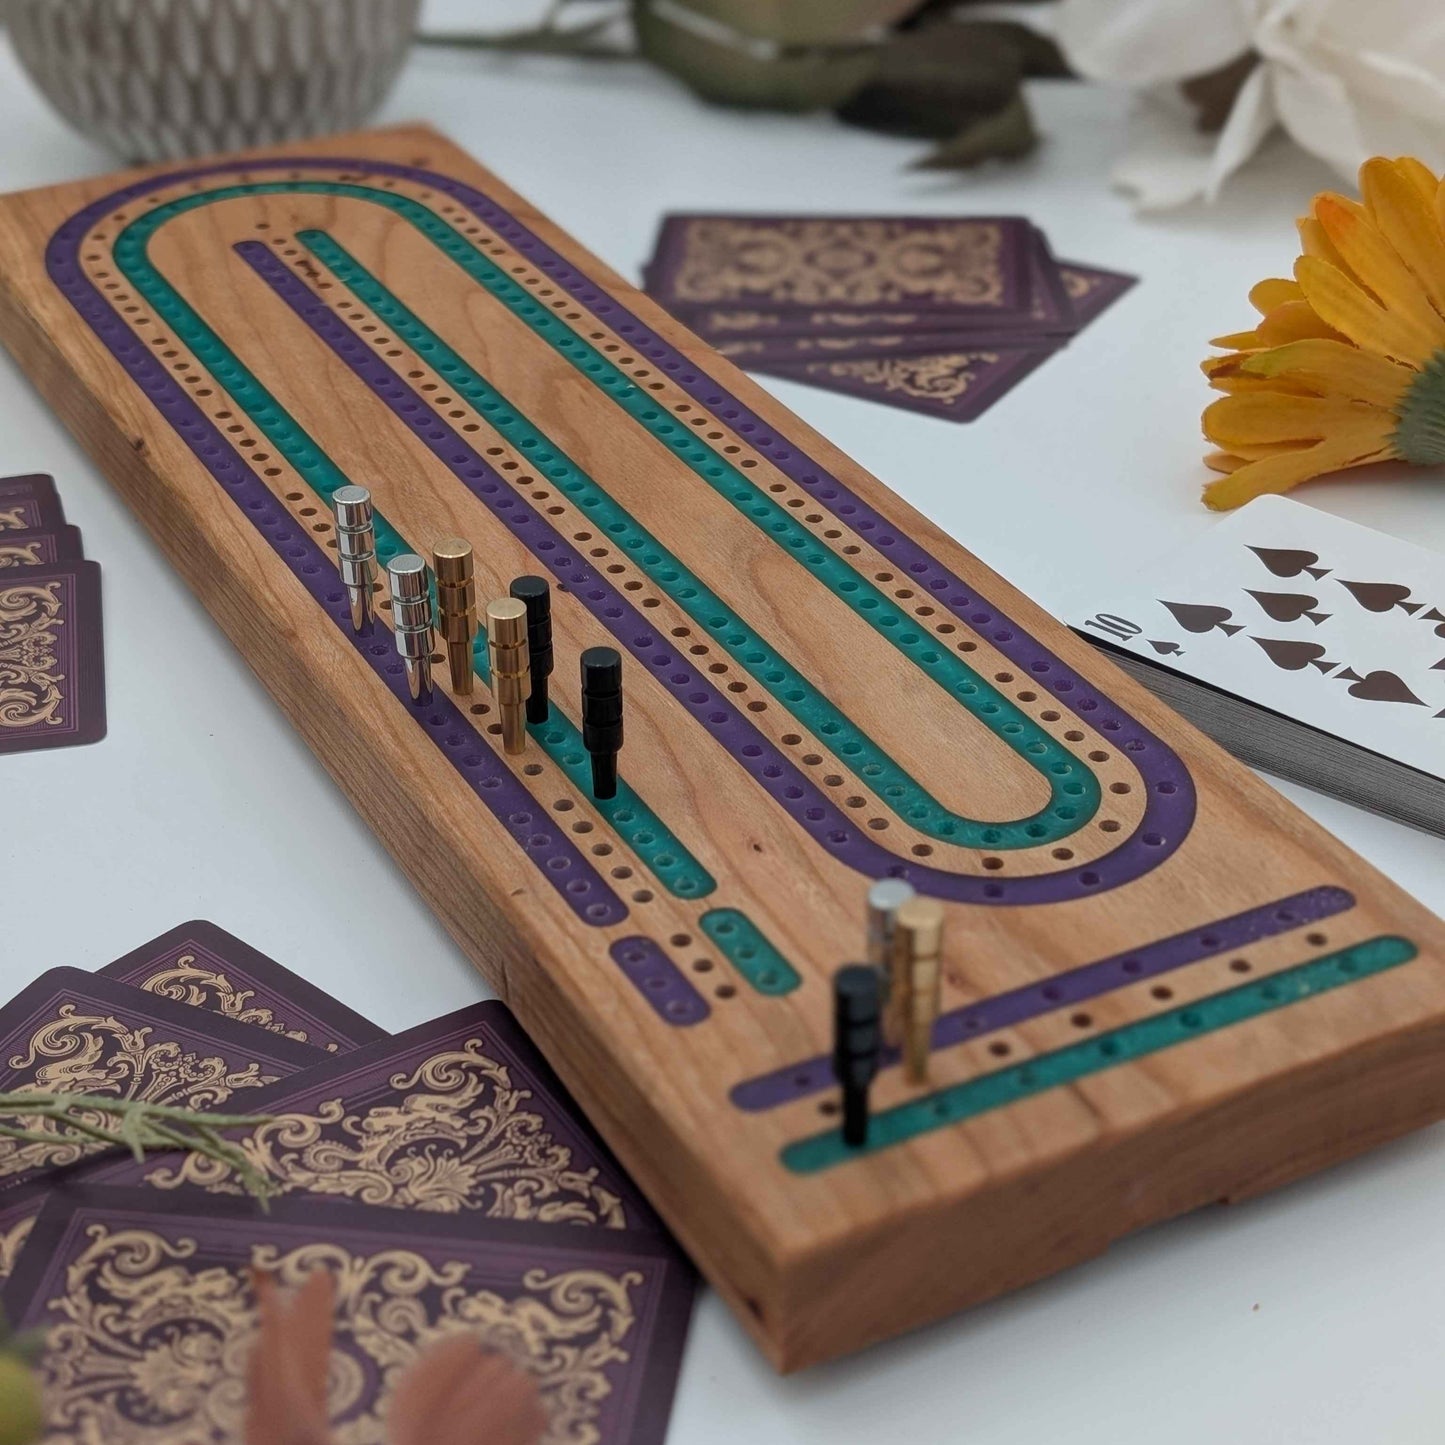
(1281, 473)
(1407, 221)
(1223, 461)
(1314, 242)
(1241, 420)
(1239, 341)
(1233, 383)
(1420, 176)
(1274, 291)
(1340, 303)
(1379, 267)
(1333, 368)
(1294, 321)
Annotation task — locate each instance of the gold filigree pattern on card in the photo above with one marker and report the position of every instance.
(30, 675)
(865, 262)
(86, 1053)
(189, 981)
(943, 378)
(13, 518)
(21, 554)
(12, 1241)
(460, 1139)
(1078, 284)
(149, 1342)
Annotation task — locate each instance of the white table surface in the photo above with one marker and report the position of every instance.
(1313, 1315)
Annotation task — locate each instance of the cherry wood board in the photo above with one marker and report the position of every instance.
(1164, 985)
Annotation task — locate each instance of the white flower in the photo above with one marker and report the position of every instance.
(1347, 79)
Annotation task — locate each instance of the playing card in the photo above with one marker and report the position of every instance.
(39, 548)
(19, 1208)
(1327, 622)
(802, 336)
(1092, 290)
(951, 385)
(29, 503)
(460, 1115)
(52, 667)
(73, 1033)
(206, 967)
(859, 263)
(148, 1305)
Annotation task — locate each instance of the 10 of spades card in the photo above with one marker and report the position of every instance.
(1309, 645)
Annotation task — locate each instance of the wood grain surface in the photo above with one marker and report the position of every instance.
(820, 1262)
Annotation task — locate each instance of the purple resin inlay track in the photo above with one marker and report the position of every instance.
(524, 819)
(660, 981)
(1088, 981)
(1170, 804)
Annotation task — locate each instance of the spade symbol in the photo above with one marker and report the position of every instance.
(1382, 596)
(1379, 686)
(1200, 617)
(1173, 649)
(1288, 606)
(1289, 562)
(1293, 656)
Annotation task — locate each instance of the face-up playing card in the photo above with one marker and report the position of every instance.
(52, 659)
(1327, 622)
(951, 385)
(206, 967)
(859, 263)
(73, 1033)
(29, 504)
(39, 549)
(149, 1310)
(458, 1116)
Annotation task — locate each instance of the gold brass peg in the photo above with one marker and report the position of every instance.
(456, 608)
(511, 668)
(917, 980)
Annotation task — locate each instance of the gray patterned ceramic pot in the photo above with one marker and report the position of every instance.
(159, 79)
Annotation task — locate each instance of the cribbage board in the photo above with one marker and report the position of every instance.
(1164, 986)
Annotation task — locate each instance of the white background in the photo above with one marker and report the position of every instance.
(1315, 1315)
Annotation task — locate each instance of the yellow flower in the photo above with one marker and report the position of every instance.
(1347, 363)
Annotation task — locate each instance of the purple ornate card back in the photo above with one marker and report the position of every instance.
(149, 1311)
(458, 1116)
(199, 964)
(71, 1032)
(51, 654)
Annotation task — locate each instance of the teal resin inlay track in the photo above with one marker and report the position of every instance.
(967, 1100)
(1074, 790)
(750, 951)
(1169, 795)
(638, 826)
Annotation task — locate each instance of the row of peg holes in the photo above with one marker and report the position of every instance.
(993, 863)
(491, 244)
(226, 418)
(1081, 1019)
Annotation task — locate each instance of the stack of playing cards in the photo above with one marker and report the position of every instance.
(442, 1174)
(51, 650)
(1309, 646)
(938, 314)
